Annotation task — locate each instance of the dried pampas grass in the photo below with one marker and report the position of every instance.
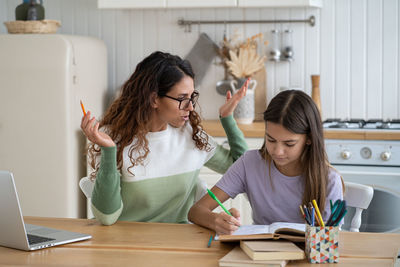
(242, 60)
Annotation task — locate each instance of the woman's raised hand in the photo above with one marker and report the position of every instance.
(91, 129)
(226, 224)
(232, 101)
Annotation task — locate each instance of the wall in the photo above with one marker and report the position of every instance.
(354, 47)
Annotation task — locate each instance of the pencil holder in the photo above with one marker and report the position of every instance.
(322, 244)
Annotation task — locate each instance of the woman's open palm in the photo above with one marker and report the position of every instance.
(232, 101)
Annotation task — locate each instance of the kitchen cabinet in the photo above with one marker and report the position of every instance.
(280, 3)
(140, 4)
(201, 3)
(240, 202)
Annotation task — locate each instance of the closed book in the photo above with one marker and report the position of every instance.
(279, 230)
(237, 258)
(272, 250)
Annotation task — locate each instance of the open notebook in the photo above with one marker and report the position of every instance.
(278, 230)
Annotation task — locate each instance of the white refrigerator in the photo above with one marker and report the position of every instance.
(42, 79)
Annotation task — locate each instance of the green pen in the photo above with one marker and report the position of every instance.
(219, 202)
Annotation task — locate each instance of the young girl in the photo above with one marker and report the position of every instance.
(147, 157)
(289, 170)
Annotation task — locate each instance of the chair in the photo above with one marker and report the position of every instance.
(87, 186)
(359, 197)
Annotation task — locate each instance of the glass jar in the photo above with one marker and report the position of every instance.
(275, 53)
(287, 48)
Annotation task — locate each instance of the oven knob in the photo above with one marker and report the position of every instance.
(366, 152)
(345, 154)
(386, 155)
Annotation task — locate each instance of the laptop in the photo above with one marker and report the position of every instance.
(14, 233)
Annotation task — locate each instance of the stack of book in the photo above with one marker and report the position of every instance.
(264, 245)
(264, 253)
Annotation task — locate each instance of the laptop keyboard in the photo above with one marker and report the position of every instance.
(34, 239)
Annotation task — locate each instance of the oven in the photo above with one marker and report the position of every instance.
(374, 162)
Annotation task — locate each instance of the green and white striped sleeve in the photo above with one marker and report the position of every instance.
(106, 197)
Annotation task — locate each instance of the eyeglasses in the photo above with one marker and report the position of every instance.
(185, 102)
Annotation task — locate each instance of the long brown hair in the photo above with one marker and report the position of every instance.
(297, 112)
(128, 117)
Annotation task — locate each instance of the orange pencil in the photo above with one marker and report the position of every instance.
(83, 108)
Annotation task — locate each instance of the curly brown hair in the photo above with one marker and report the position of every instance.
(128, 117)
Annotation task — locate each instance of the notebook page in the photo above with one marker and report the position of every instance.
(250, 230)
(277, 225)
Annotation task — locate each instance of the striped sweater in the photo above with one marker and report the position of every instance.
(163, 188)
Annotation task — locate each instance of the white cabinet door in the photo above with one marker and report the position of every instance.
(280, 3)
(200, 3)
(121, 4)
(132, 3)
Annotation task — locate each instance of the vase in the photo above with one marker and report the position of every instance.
(244, 111)
(30, 10)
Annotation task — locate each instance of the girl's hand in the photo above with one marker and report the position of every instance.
(226, 224)
(232, 101)
(91, 129)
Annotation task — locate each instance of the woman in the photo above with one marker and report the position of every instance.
(289, 170)
(147, 157)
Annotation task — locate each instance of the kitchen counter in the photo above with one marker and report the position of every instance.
(257, 130)
(214, 128)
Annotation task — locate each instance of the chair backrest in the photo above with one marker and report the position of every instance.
(86, 186)
(359, 197)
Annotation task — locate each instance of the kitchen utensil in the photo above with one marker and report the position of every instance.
(275, 53)
(223, 87)
(201, 56)
(287, 52)
(315, 92)
(260, 95)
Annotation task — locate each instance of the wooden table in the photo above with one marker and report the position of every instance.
(157, 244)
